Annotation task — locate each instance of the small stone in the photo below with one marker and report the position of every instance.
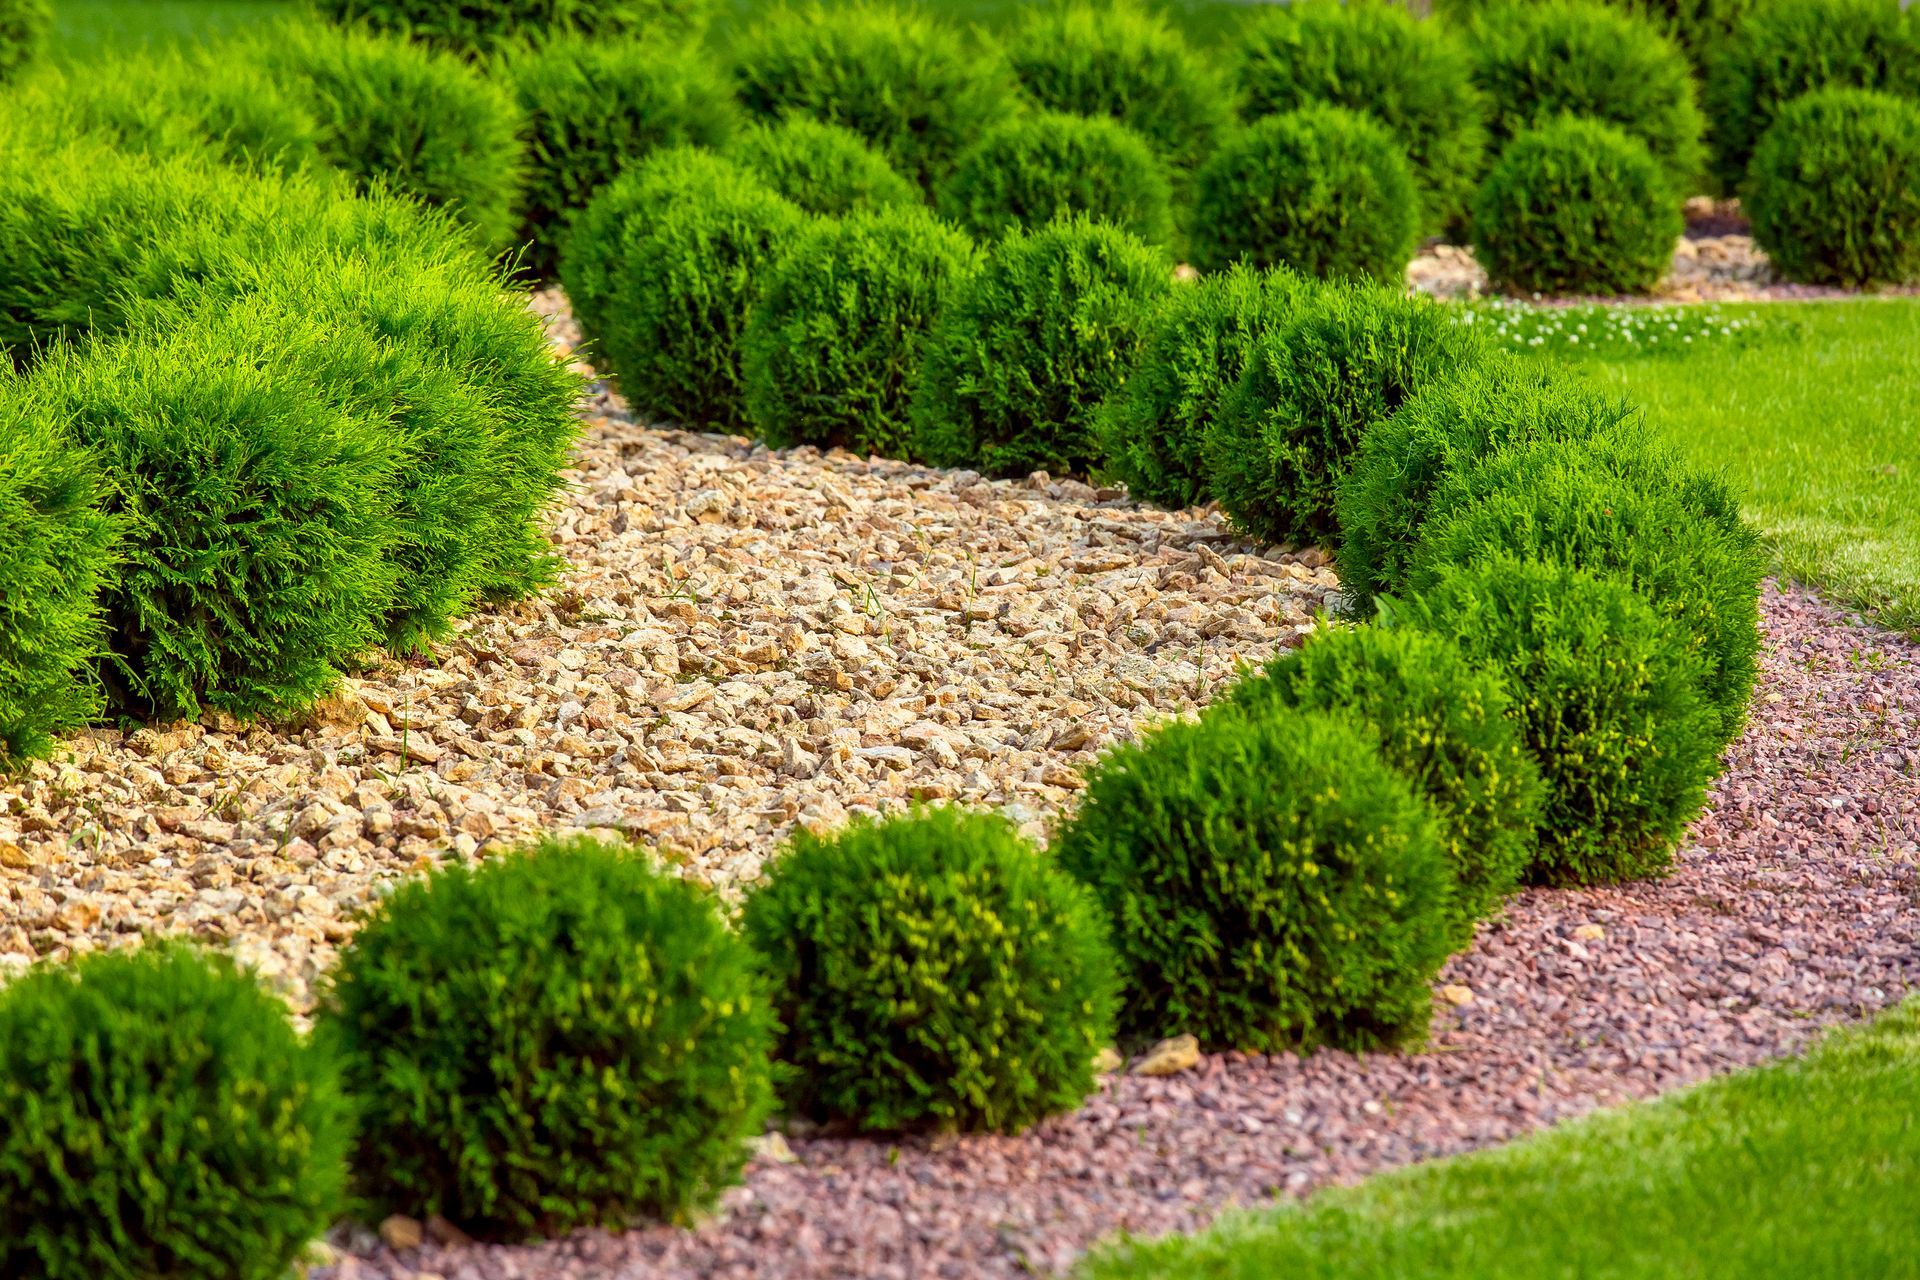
(1589, 933)
(1170, 1057)
(441, 1231)
(773, 1147)
(1108, 1061)
(13, 857)
(1454, 993)
(402, 1232)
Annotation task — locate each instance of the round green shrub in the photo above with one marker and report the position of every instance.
(1699, 27)
(1323, 190)
(484, 26)
(1506, 400)
(823, 168)
(562, 1037)
(1152, 431)
(593, 108)
(1834, 189)
(1031, 344)
(1787, 48)
(904, 82)
(1346, 361)
(1536, 63)
(833, 348)
(933, 972)
(1606, 693)
(1127, 62)
(23, 29)
(1445, 725)
(1272, 884)
(1031, 170)
(1411, 76)
(1576, 206)
(163, 1119)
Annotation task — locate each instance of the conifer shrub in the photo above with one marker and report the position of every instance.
(1347, 359)
(23, 29)
(1323, 190)
(1606, 694)
(1445, 725)
(559, 1038)
(833, 349)
(1271, 883)
(594, 107)
(1699, 27)
(1027, 349)
(1152, 431)
(1413, 77)
(823, 168)
(934, 971)
(163, 1119)
(478, 27)
(1035, 168)
(908, 84)
(1834, 189)
(1576, 206)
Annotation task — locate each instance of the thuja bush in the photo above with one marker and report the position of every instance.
(1127, 62)
(562, 1037)
(1152, 431)
(1347, 359)
(908, 84)
(933, 972)
(1575, 206)
(592, 108)
(824, 168)
(163, 1119)
(1031, 344)
(23, 29)
(1272, 884)
(1699, 27)
(833, 349)
(1414, 77)
(1834, 189)
(1323, 190)
(1034, 168)
(475, 27)
(1786, 48)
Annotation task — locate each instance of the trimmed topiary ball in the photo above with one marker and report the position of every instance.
(1271, 882)
(1030, 345)
(1536, 63)
(1441, 722)
(1834, 190)
(933, 972)
(163, 1119)
(1152, 431)
(1606, 693)
(1033, 169)
(1411, 76)
(904, 82)
(23, 29)
(1349, 357)
(474, 27)
(823, 168)
(1323, 190)
(594, 107)
(832, 350)
(562, 1037)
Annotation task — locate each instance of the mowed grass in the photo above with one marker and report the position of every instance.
(1802, 1170)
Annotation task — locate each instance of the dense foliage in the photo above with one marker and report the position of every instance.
(823, 168)
(23, 27)
(474, 27)
(1035, 168)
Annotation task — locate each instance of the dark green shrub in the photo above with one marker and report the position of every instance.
(1030, 345)
(1834, 189)
(562, 1037)
(1606, 693)
(1786, 48)
(1700, 27)
(163, 1119)
(1445, 725)
(895, 76)
(1271, 883)
(593, 108)
(823, 168)
(1323, 190)
(1575, 207)
(1505, 400)
(23, 28)
(483, 26)
(1411, 76)
(833, 349)
(1346, 361)
(1127, 62)
(1030, 170)
(1536, 63)
(933, 971)
(1152, 431)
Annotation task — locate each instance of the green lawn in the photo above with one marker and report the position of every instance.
(1802, 1170)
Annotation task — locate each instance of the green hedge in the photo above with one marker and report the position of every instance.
(479, 27)
(823, 168)
(23, 29)
(1033, 169)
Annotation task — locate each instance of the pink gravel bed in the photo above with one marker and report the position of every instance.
(1796, 905)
